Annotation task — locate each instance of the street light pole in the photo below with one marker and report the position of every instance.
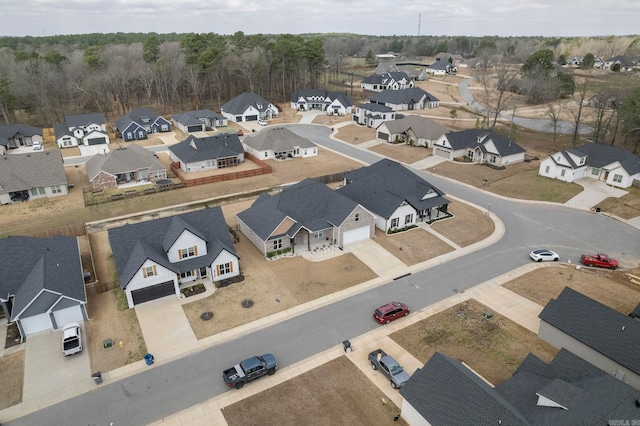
(489, 208)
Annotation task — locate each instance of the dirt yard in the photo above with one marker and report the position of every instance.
(401, 152)
(355, 134)
(11, 379)
(335, 393)
(468, 225)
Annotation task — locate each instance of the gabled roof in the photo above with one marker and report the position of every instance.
(601, 155)
(123, 160)
(20, 172)
(383, 186)
(605, 330)
(30, 265)
(83, 120)
(385, 67)
(309, 203)
(422, 127)
(143, 117)
(133, 244)
(340, 96)
(240, 103)
(194, 117)
(440, 65)
(8, 131)
(403, 96)
(308, 94)
(473, 138)
(386, 78)
(373, 107)
(195, 149)
(277, 139)
(61, 129)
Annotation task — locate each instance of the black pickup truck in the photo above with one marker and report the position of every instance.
(249, 369)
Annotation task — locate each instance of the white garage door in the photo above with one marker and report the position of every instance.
(67, 315)
(36, 323)
(355, 235)
(439, 152)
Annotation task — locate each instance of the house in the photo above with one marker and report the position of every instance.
(619, 63)
(388, 81)
(42, 286)
(124, 167)
(335, 103)
(480, 146)
(31, 176)
(14, 136)
(157, 258)
(611, 164)
(441, 68)
(565, 391)
(279, 143)
(406, 99)
(596, 333)
(395, 194)
(83, 130)
(209, 153)
(373, 115)
(598, 63)
(198, 121)
(386, 56)
(139, 123)
(574, 62)
(386, 67)
(452, 58)
(249, 107)
(412, 130)
(305, 216)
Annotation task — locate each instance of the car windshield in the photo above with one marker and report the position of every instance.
(378, 313)
(396, 369)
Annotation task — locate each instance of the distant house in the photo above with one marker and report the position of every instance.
(389, 81)
(14, 136)
(386, 56)
(124, 166)
(159, 257)
(335, 103)
(412, 130)
(249, 107)
(611, 164)
(406, 99)
(452, 58)
(279, 143)
(305, 216)
(480, 146)
(209, 153)
(620, 63)
(373, 114)
(574, 62)
(42, 285)
(30, 176)
(395, 194)
(441, 68)
(598, 63)
(82, 130)
(141, 122)
(198, 121)
(566, 391)
(596, 333)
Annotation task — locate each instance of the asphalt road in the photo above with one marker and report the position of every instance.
(166, 389)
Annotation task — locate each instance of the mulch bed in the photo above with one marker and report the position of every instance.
(232, 280)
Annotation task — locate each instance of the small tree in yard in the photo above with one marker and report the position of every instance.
(454, 114)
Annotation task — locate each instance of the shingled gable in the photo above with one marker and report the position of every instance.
(473, 138)
(194, 149)
(277, 139)
(614, 335)
(84, 120)
(176, 227)
(240, 103)
(422, 127)
(403, 96)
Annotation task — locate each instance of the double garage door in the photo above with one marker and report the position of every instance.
(197, 128)
(251, 118)
(154, 292)
(355, 235)
(41, 322)
(441, 152)
(384, 136)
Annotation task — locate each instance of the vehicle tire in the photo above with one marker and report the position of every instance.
(612, 268)
(387, 321)
(393, 385)
(555, 259)
(271, 371)
(239, 385)
(539, 260)
(590, 264)
(406, 313)
(373, 366)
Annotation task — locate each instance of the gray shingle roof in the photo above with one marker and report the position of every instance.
(123, 160)
(30, 265)
(132, 244)
(309, 203)
(383, 186)
(193, 117)
(422, 127)
(308, 94)
(277, 139)
(195, 149)
(601, 155)
(615, 335)
(83, 120)
(20, 172)
(137, 116)
(403, 96)
(61, 129)
(372, 107)
(8, 131)
(386, 78)
(240, 103)
(473, 138)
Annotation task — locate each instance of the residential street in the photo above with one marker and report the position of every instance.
(167, 388)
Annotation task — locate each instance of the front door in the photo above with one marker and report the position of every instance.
(203, 272)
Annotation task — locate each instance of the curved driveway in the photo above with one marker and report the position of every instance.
(171, 387)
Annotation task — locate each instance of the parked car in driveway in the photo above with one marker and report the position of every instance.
(71, 339)
(262, 122)
(384, 363)
(540, 255)
(391, 311)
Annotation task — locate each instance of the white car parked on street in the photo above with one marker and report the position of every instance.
(544, 254)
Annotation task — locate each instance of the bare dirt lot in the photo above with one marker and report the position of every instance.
(11, 379)
(401, 152)
(335, 393)
(355, 134)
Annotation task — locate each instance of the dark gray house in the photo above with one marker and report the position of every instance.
(210, 153)
(141, 122)
(406, 99)
(198, 120)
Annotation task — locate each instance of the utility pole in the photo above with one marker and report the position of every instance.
(419, 22)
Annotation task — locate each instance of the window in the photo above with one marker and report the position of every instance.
(34, 191)
(129, 135)
(56, 189)
(357, 218)
(408, 219)
(563, 172)
(149, 271)
(224, 268)
(546, 170)
(318, 234)
(188, 252)
(164, 128)
(187, 274)
(394, 222)
(595, 172)
(277, 244)
(617, 178)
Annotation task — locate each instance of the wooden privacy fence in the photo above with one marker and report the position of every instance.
(263, 169)
(97, 287)
(71, 230)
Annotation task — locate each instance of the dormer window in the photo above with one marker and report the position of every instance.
(188, 252)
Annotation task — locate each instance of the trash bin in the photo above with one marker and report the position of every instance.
(347, 346)
(597, 209)
(148, 358)
(97, 377)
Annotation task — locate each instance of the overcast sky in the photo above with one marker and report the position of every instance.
(373, 17)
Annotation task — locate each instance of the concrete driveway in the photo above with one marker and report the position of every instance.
(594, 192)
(50, 377)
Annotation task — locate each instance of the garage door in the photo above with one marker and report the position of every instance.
(154, 292)
(67, 315)
(439, 152)
(382, 135)
(96, 141)
(36, 324)
(355, 235)
(194, 129)
(251, 118)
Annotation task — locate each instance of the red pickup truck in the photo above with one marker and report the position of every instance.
(599, 260)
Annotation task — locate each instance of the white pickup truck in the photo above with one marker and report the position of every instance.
(71, 339)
